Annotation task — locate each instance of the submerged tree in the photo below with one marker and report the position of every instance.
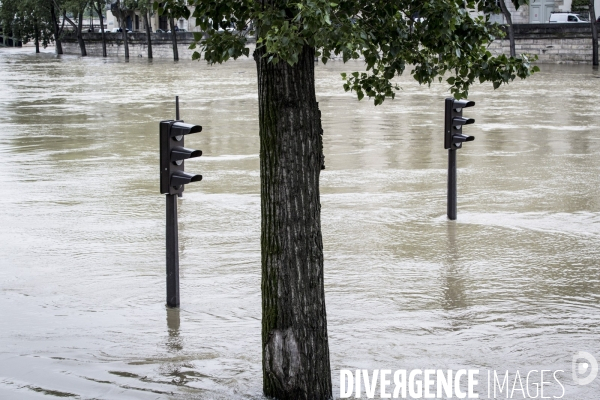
(27, 20)
(122, 9)
(495, 6)
(9, 18)
(98, 6)
(145, 8)
(173, 10)
(594, 33)
(57, 26)
(77, 7)
(446, 42)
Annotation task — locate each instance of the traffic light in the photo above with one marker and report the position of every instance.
(454, 138)
(173, 153)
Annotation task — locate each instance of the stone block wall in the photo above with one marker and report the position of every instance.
(552, 43)
(162, 46)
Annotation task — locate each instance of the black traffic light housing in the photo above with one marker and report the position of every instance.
(453, 136)
(173, 153)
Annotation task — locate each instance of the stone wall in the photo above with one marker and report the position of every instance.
(552, 43)
(161, 45)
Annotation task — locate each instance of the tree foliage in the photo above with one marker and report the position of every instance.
(445, 42)
(172, 9)
(28, 20)
(580, 6)
(494, 6)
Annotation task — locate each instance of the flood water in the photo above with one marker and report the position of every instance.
(513, 284)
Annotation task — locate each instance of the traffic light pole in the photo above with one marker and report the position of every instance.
(172, 252)
(453, 140)
(173, 178)
(452, 197)
(173, 242)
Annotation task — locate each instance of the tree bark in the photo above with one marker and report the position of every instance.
(124, 31)
(80, 33)
(295, 347)
(594, 34)
(57, 30)
(78, 28)
(148, 33)
(511, 32)
(174, 36)
(37, 37)
(98, 8)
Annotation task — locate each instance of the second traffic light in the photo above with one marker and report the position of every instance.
(173, 153)
(453, 136)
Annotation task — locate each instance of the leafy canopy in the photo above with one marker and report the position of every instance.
(432, 37)
(26, 19)
(172, 9)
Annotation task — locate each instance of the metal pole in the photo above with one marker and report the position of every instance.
(452, 184)
(172, 252)
(173, 242)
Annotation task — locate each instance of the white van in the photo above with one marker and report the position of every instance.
(566, 17)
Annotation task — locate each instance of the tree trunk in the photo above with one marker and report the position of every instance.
(511, 32)
(125, 38)
(101, 17)
(57, 30)
(37, 37)
(80, 34)
(174, 36)
(295, 347)
(594, 34)
(148, 34)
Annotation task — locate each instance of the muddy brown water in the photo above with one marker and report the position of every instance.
(513, 284)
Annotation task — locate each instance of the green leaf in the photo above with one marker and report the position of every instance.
(449, 40)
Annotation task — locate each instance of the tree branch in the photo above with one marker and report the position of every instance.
(68, 19)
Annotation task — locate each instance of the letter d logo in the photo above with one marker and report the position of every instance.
(581, 368)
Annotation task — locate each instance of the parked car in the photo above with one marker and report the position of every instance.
(160, 31)
(566, 17)
(117, 30)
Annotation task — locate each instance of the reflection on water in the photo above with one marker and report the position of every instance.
(452, 275)
(174, 342)
(512, 284)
